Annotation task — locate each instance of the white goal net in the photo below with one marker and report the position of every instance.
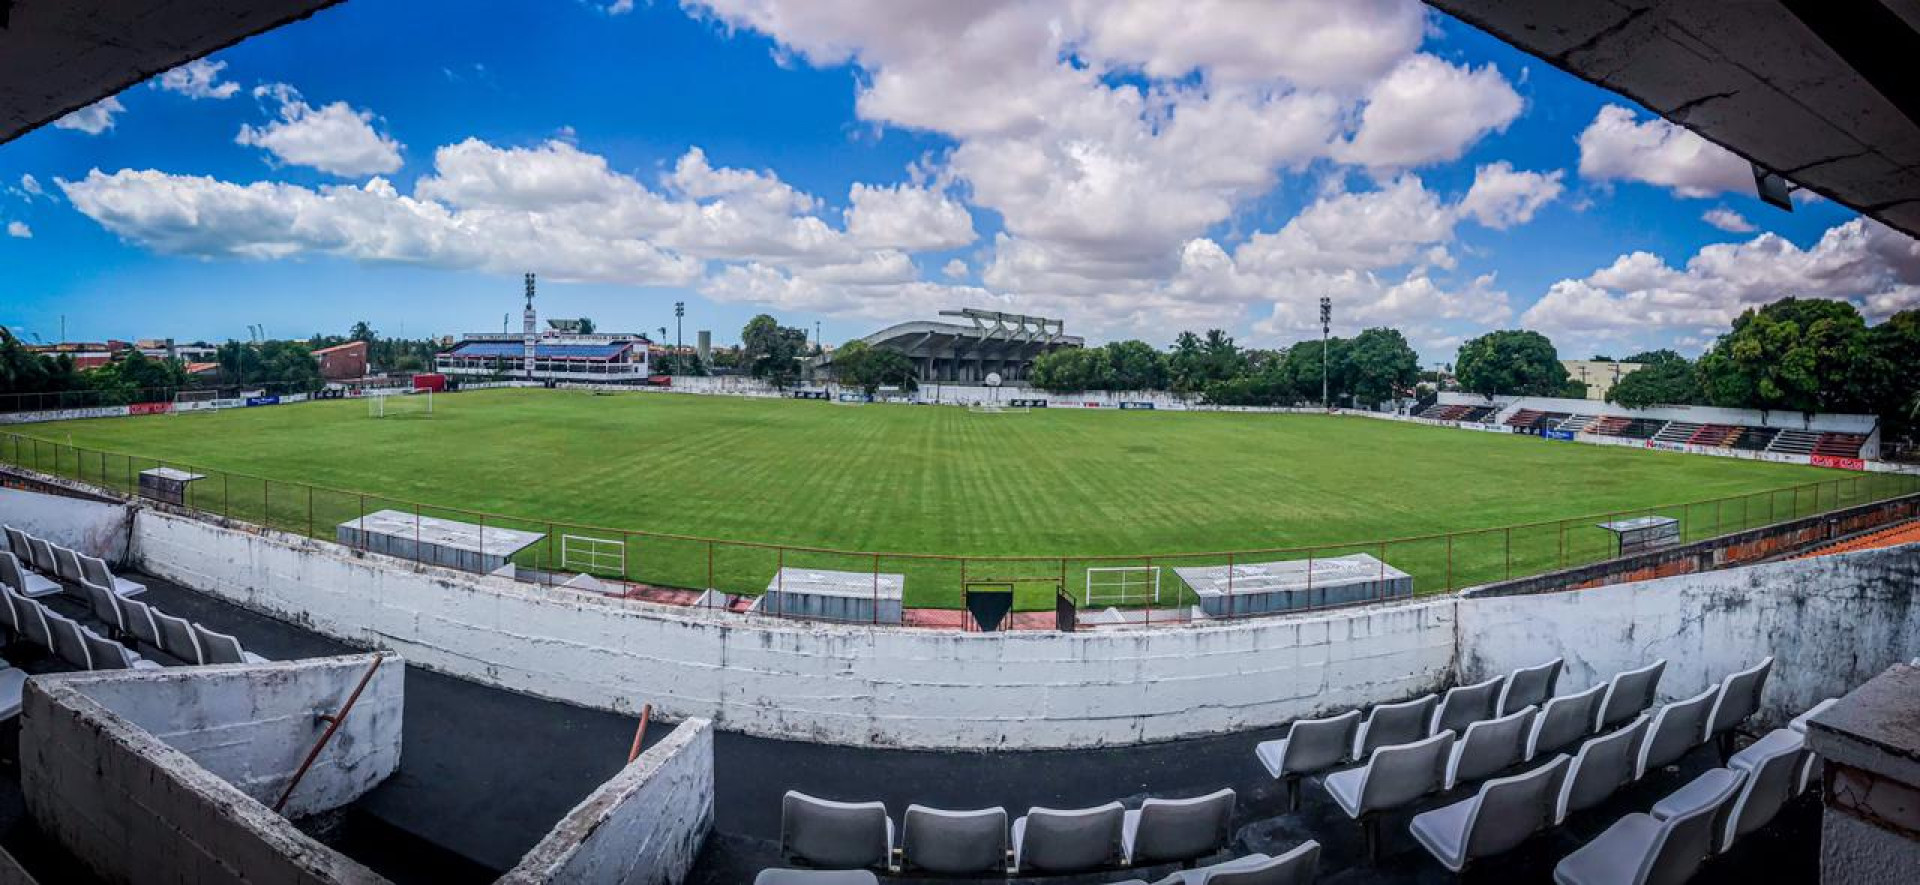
(1122, 585)
(401, 405)
(597, 556)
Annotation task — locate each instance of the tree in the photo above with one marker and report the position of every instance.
(1072, 369)
(771, 351)
(1384, 366)
(1135, 365)
(136, 378)
(1264, 383)
(1197, 362)
(1649, 357)
(362, 332)
(587, 326)
(1895, 349)
(1303, 367)
(1511, 361)
(1801, 354)
(869, 368)
(1664, 378)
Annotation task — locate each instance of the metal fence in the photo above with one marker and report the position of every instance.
(681, 567)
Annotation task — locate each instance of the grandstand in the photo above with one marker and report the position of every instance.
(1835, 439)
(989, 343)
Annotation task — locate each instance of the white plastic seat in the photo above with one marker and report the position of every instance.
(1390, 724)
(1311, 746)
(1530, 686)
(1810, 766)
(1564, 721)
(219, 648)
(24, 582)
(1393, 777)
(95, 569)
(1641, 849)
(816, 877)
(1177, 830)
(13, 685)
(1504, 813)
(835, 835)
(1296, 867)
(104, 605)
(66, 563)
(1489, 747)
(1675, 729)
(1629, 694)
(40, 556)
(68, 643)
(1772, 765)
(33, 621)
(105, 654)
(17, 543)
(1463, 706)
(954, 842)
(1737, 697)
(1055, 840)
(1600, 767)
(177, 637)
(137, 619)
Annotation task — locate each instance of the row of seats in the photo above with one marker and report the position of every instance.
(1769, 439)
(821, 833)
(110, 598)
(1296, 867)
(1677, 432)
(1701, 819)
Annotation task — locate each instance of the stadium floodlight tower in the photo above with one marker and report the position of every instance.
(529, 337)
(1326, 328)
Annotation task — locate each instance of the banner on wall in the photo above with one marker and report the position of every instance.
(1565, 435)
(1137, 406)
(263, 401)
(149, 408)
(1837, 461)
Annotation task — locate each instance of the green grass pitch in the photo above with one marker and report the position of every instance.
(1138, 488)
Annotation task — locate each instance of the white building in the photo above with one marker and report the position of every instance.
(558, 356)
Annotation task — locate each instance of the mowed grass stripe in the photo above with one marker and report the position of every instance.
(916, 479)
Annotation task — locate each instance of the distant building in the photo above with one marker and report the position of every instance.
(1599, 375)
(558, 356)
(990, 342)
(167, 348)
(343, 362)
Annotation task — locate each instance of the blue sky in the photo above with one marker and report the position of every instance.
(1129, 175)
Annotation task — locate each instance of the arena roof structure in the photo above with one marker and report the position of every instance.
(1818, 92)
(58, 57)
(991, 343)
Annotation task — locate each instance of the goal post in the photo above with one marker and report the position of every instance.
(1122, 585)
(402, 405)
(585, 553)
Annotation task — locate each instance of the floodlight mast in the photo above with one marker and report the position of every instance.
(1326, 328)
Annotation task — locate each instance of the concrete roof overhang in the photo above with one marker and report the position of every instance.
(57, 56)
(1819, 91)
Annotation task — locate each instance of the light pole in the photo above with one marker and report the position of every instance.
(1326, 327)
(679, 343)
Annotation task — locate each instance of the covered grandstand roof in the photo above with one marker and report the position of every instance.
(516, 350)
(991, 335)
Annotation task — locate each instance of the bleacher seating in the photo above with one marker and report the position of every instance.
(1677, 432)
(1643, 428)
(1712, 435)
(1576, 423)
(1754, 439)
(1524, 418)
(1476, 414)
(1839, 445)
(1607, 425)
(1795, 442)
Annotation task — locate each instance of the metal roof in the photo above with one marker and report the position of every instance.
(541, 351)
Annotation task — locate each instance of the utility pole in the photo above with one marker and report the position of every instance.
(679, 343)
(816, 335)
(1326, 328)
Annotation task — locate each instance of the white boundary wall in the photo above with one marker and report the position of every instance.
(859, 685)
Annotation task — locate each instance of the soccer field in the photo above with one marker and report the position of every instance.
(939, 480)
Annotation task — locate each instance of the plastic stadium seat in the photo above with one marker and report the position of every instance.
(1506, 812)
(1676, 728)
(1600, 767)
(1810, 767)
(1466, 705)
(1296, 867)
(835, 835)
(13, 684)
(219, 648)
(177, 637)
(1640, 848)
(109, 655)
(1530, 686)
(1772, 765)
(104, 605)
(1564, 721)
(95, 570)
(954, 842)
(17, 543)
(68, 644)
(1177, 830)
(40, 555)
(1393, 777)
(1051, 840)
(137, 619)
(1489, 747)
(33, 621)
(22, 581)
(1629, 694)
(1311, 746)
(1390, 724)
(66, 564)
(815, 877)
(1737, 699)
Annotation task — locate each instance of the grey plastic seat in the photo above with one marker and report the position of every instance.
(834, 835)
(66, 563)
(954, 842)
(1177, 830)
(1772, 765)
(1296, 867)
(1390, 724)
(1466, 705)
(1394, 776)
(219, 648)
(1809, 767)
(1675, 729)
(17, 543)
(177, 637)
(1310, 747)
(1629, 694)
(1530, 686)
(1053, 840)
(104, 605)
(1489, 747)
(1640, 849)
(24, 582)
(1504, 813)
(68, 644)
(106, 654)
(33, 621)
(95, 569)
(1564, 721)
(137, 619)
(1738, 698)
(1600, 767)
(13, 686)
(40, 556)
(816, 877)
(9, 617)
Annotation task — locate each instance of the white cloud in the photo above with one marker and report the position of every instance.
(1501, 197)
(198, 79)
(619, 7)
(1429, 111)
(335, 138)
(1313, 44)
(92, 119)
(903, 216)
(1641, 300)
(955, 269)
(1616, 146)
(19, 229)
(30, 186)
(1728, 220)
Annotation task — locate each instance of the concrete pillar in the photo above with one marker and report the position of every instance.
(1870, 742)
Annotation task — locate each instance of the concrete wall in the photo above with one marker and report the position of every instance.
(643, 827)
(91, 527)
(836, 683)
(136, 809)
(1831, 623)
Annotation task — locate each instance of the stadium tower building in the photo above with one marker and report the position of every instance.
(990, 342)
